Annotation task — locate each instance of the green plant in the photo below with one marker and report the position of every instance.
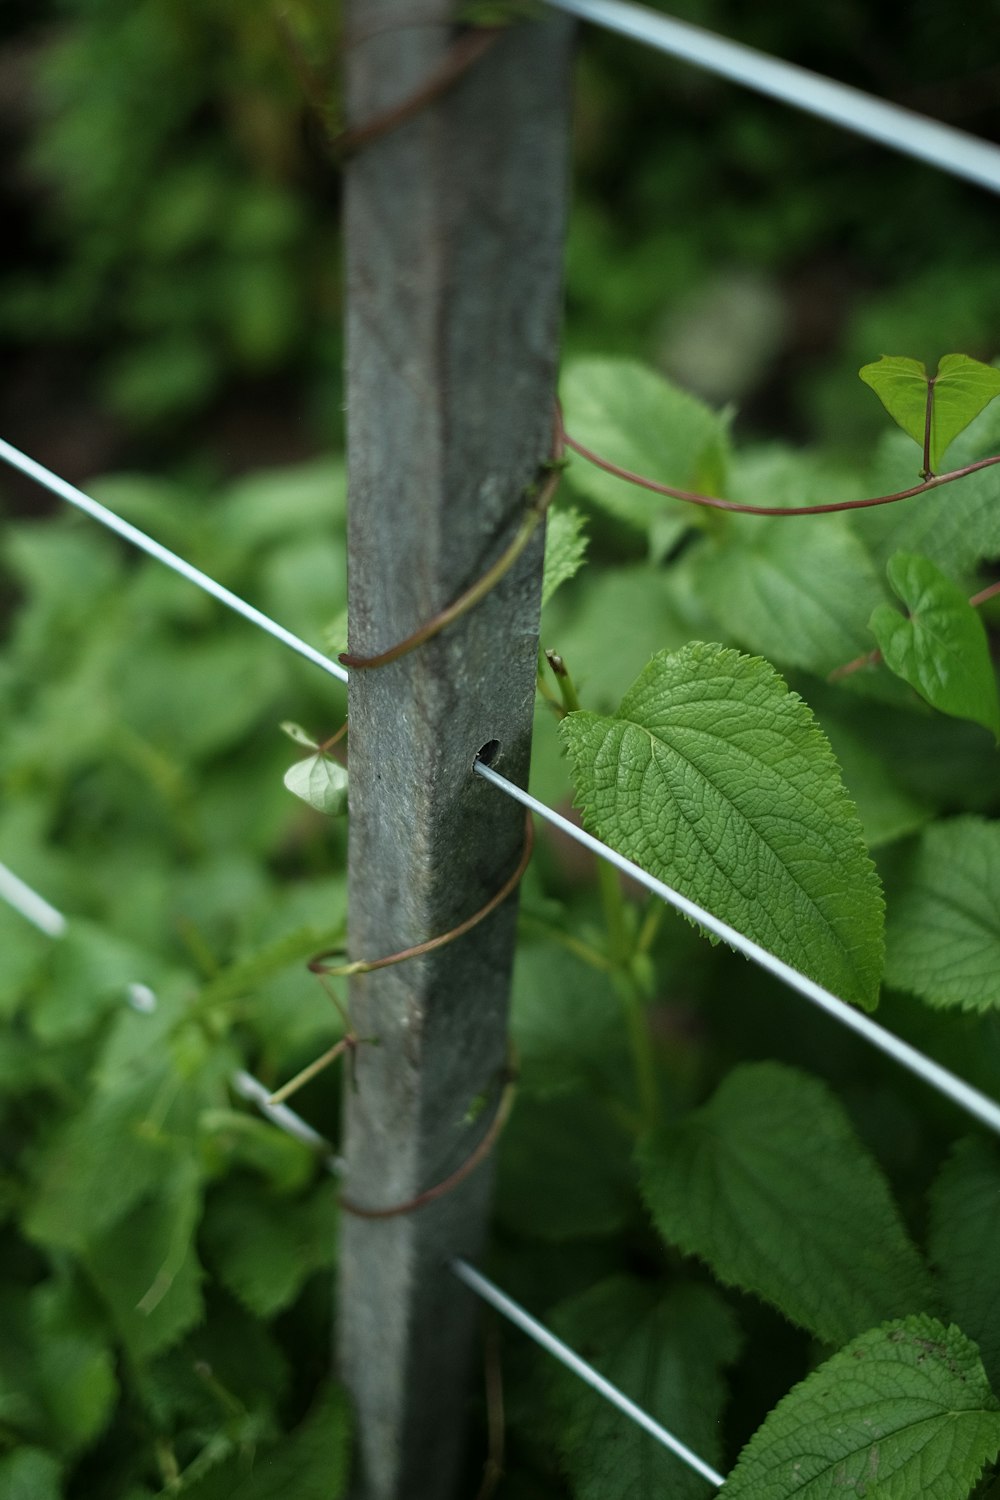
(759, 1228)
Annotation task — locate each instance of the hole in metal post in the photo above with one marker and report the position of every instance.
(489, 753)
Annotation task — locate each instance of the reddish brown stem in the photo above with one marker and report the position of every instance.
(468, 1166)
(713, 503)
(466, 51)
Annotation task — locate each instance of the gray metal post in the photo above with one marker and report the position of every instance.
(454, 228)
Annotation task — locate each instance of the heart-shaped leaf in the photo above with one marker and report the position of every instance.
(941, 649)
(959, 391)
(321, 782)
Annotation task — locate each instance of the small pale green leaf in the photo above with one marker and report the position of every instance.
(943, 934)
(941, 649)
(632, 416)
(904, 1410)
(964, 1234)
(770, 1185)
(298, 734)
(961, 389)
(667, 1352)
(715, 778)
(321, 782)
(565, 547)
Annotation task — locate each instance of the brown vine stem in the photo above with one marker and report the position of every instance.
(872, 658)
(536, 512)
(690, 497)
(466, 51)
(367, 965)
(469, 1165)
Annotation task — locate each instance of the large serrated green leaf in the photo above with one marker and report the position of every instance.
(770, 1185)
(904, 1411)
(664, 1350)
(940, 649)
(961, 389)
(943, 934)
(964, 1235)
(628, 414)
(799, 592)
(717, 779)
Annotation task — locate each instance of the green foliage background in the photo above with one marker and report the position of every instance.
(169, 303)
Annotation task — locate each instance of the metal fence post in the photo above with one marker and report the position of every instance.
(454, 224)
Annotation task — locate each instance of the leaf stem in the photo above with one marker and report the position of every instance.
(927, 472)
(872, 658)
(621, 948)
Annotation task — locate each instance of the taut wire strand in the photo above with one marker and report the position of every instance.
(33, 907)
(902, 130)
(516, 1314)
(961, 1093)
(98, 512)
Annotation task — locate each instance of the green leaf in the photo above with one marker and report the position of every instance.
(964, 1234)
(955, 525)
(667, 1352)
(30, 1474)
(941, 649)
(146, 1269)
(904, 1410)
(231, 1137)
(564, 1170)
(298, 734)
(321, 782)
(799, 592)
(264, 1247)
(123, 1137)
(565, 548)
(76, 1367)
(770, 1185)
(90, 975)
(628, 414)
(943, 934)
(961, 389)
(312, 1463)
(886, 808)
(565, 1022)
(715, 778)
(608, 630)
